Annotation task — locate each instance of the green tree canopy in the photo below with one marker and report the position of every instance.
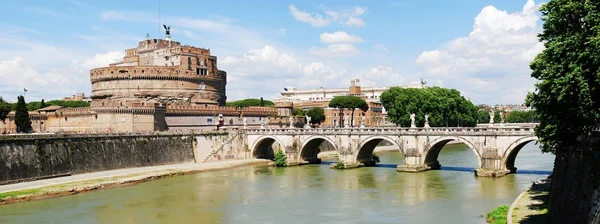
(316, 114)
(251, 102)
(5, 108)
(297, 111)
(483, 117)
(22, 120)
(349, 103)
(567, 96)
(444, 106)
(521, 117)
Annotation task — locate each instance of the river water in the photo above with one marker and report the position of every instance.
(301, 194)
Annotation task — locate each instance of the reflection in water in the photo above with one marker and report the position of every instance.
(300, 194)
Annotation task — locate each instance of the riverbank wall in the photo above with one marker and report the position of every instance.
(33, 157)
(575, 189)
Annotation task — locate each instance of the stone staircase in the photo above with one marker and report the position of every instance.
(213, 152)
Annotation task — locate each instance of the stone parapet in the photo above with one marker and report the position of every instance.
(474, 131)
(175, 110)
(127, 110)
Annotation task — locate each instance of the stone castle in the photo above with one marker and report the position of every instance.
(161, 71)
(160, 85)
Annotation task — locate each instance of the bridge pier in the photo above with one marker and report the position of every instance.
(491, 166)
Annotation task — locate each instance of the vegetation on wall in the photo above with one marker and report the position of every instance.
(280, 159)
(498, 215)
(36, 105)
(349, 103)
(316, 114)
(446, 107)
(567, 95)
(251, 102)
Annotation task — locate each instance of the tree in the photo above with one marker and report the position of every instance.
(262, 103)
(22, 120)
(316, 114)
(521, 117)
(350, 103)
(251, 102)
(444, 106)
(5, 108)
(43, 104)
(483, 117)
(567, 95)
(297, 111)
(280, 158)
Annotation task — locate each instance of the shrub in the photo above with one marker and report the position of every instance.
(376, 158)
(498, 215)
(339, 165)
(280, 159)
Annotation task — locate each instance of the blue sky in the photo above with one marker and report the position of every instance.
(480, 47)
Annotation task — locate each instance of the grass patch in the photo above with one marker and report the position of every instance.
(498, 215)
(20, 193)
(339, 165)
(85, 183)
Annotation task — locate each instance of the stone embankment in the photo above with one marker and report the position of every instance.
(35, 157)
(62, 186)
(531, 206)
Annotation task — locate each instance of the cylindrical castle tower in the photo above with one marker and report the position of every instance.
(160, 71)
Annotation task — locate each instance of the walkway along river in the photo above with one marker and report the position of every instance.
(301, 194)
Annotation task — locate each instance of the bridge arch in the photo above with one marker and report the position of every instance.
(367, 146)
(309, 149)
(510, 155)
(262, 148)
(433, 148)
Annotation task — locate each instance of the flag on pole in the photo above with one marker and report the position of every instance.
(24, 90)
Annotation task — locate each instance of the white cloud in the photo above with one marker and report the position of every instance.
(339, 37)
(315, 19)
(272, 70)
(499, 48)
(380, 47)
(335, 50)
(101, 60)
(348, 18)
(353, 21)
(53, 84)
(383, 75)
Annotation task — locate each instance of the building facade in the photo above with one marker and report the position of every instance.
(305, 99)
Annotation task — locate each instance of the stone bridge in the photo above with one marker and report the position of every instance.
(495, 147)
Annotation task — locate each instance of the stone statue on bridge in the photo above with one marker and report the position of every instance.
(491, 116)
(412, 120)
(263, 121)
(346, 121)
(291, 122)
(307, 125)
(362, 121)
(501, 117)
(426, 121)
(245, 120)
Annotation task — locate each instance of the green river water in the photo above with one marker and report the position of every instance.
(301, 194)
